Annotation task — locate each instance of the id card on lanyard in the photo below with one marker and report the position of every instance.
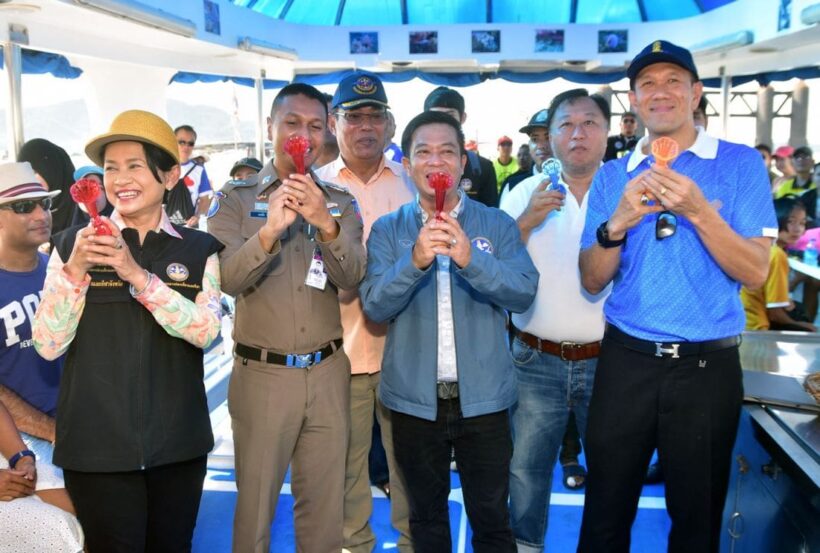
(316, 276)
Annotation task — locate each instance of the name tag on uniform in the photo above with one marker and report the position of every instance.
(260, 210)
(316, 276)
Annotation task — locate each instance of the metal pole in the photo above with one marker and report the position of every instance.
(725, 91)
(13, 60)
(260, 117)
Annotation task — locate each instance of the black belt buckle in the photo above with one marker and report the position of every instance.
(447, 390)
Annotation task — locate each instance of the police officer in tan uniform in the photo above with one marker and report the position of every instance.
(291, 242)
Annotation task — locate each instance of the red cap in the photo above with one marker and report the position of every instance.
(504, 140)
(784, 151)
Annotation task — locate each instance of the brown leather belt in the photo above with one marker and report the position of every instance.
(567, 351)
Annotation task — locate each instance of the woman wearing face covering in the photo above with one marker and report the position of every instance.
(57, 171)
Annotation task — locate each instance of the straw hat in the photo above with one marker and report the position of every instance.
(137, 125)
(19, 182)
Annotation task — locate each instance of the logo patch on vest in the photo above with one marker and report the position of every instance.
(482, 244)
(177, 272)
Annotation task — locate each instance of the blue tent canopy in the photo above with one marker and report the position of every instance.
(469, 79)
(424, 12)
(38, 63)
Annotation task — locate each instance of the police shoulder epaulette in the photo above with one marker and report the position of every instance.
(336, 187)
(238, 183)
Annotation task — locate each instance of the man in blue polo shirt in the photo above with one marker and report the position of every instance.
(676, 243)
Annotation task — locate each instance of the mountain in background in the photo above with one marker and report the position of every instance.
(67, 125)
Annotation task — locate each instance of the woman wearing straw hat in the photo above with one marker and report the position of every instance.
(133, 310)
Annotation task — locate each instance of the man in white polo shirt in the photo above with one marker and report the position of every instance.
(558, 338)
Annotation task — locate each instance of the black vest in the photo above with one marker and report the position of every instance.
(132, 396)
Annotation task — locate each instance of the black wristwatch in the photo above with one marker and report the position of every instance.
(603, 237)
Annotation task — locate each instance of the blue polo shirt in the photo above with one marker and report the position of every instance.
(672, 290)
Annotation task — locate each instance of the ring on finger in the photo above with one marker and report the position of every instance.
(453, 242)
(644, 199)
(663, 191)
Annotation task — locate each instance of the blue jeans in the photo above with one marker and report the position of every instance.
(548, 390)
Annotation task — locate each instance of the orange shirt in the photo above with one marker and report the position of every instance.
(387, 190)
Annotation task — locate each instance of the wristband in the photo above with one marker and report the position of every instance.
(19, 455)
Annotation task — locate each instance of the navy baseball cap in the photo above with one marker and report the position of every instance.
(251, 162)
(661, 51)
(359, 89)
(537, 121)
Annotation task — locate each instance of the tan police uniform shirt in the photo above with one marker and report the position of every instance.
(275, 309)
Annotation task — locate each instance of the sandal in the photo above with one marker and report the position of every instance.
(575, 476)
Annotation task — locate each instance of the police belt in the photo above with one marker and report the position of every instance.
(567, 351)
(674, 350)
(295, 360)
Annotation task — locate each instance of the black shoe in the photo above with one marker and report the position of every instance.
(654, 474)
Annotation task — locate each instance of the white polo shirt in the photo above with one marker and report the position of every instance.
(562, 310)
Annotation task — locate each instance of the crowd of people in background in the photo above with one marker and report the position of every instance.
(499, 328)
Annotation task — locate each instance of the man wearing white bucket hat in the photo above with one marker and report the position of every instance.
(29, 383)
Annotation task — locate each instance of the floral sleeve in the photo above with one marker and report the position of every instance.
(60, 309)
(58, 315)
(196, 322)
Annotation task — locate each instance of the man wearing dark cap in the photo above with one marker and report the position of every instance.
(618, 145)
(359, 119)
(676, 243)
(245, 167)
(505, 164)
(538, 132)
(479, 180)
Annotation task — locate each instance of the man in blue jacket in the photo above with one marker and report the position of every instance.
(444, 286)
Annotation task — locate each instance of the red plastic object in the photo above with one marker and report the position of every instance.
(296, 147)
(440, 182)
(665, 149)
(86, 192)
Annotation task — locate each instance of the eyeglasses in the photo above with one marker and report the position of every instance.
(801, 156)
(666, 225)
(189, 143)
(355, 118)
(27, 206)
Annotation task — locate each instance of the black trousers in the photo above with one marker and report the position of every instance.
(483, 449)
(689, 409)
(146, 511)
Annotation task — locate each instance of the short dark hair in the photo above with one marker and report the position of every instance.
(783, 207)
(444, 97)
(328, 97)
(765, 147)
(430, 118)
(571, 96)
(298, 88)
(156, 158)
(186, 128)
(629, 114)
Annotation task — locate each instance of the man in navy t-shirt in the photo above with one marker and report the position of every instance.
(28, 383)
